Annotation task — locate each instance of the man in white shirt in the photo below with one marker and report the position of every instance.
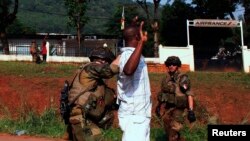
(134, 95)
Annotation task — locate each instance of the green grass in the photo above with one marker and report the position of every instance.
(28, 69)
(232, 78)
(47, 124)
(197, 133)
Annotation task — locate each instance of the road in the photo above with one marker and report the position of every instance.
(8, 137)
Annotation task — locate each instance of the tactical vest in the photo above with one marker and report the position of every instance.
(93, 98)
(171, 92)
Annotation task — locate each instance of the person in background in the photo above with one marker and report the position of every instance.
(177, 97)
(133, 87)
(34, 51)
(44, 51)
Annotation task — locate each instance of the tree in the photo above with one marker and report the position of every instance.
(216, 8)
(130, 11)
(173, 29)
(153, 22)
(246, 5)
(114, 24)
(76, 10)
(6, 19)
(18, 28)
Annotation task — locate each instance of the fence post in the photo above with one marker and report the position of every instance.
(48, 51)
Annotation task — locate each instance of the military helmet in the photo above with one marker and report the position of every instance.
(173, 60)
(102, 53)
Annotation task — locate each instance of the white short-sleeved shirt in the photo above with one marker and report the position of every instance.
(134, 95)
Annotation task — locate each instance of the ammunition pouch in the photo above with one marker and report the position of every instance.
(181, 101)
(168, 87)
(106, 121)
(94, 108)
(173, 91)
(109, 97)
(167, 97)
(99, 108)
(178, 99)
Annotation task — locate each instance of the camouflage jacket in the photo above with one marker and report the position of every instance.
(89, 83)
(175, 88)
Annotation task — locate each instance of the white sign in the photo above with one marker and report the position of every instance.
(215, 23)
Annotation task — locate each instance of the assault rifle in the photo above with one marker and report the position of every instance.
(64, 103)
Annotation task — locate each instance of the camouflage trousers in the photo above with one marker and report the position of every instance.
(82, 129)
(173, 123)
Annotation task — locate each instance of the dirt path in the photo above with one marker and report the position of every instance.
(8, 137)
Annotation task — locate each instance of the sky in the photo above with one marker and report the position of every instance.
(163, 2)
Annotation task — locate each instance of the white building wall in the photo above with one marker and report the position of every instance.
(185, 54)
(246, 59)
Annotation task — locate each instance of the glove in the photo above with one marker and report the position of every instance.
(191, 116)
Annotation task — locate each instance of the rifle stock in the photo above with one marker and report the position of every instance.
(64, 103)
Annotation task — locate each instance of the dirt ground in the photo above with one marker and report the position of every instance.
(8, 137)
(19, 95)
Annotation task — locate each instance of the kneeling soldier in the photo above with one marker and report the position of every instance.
(90, 99)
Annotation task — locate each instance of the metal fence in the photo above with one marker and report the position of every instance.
(61, 47)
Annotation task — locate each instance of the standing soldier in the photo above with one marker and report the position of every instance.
(177, 96)
(90, 99)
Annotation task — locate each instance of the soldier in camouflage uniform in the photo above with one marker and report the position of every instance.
(89, 97)
(177, 96)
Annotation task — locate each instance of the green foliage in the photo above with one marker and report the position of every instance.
(205, 40)
(114, 25)
(5, 11)
(114, 134)
(213, 9)
(173, 23)
(76, 13)
(130, 11)
(51, 15)
(157, 134)
(196, 133)
(18, 28)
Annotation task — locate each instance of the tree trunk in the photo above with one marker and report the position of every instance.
(155, 28)
(156, 44)
(79, 38)
(6, 20)
(5, 43)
